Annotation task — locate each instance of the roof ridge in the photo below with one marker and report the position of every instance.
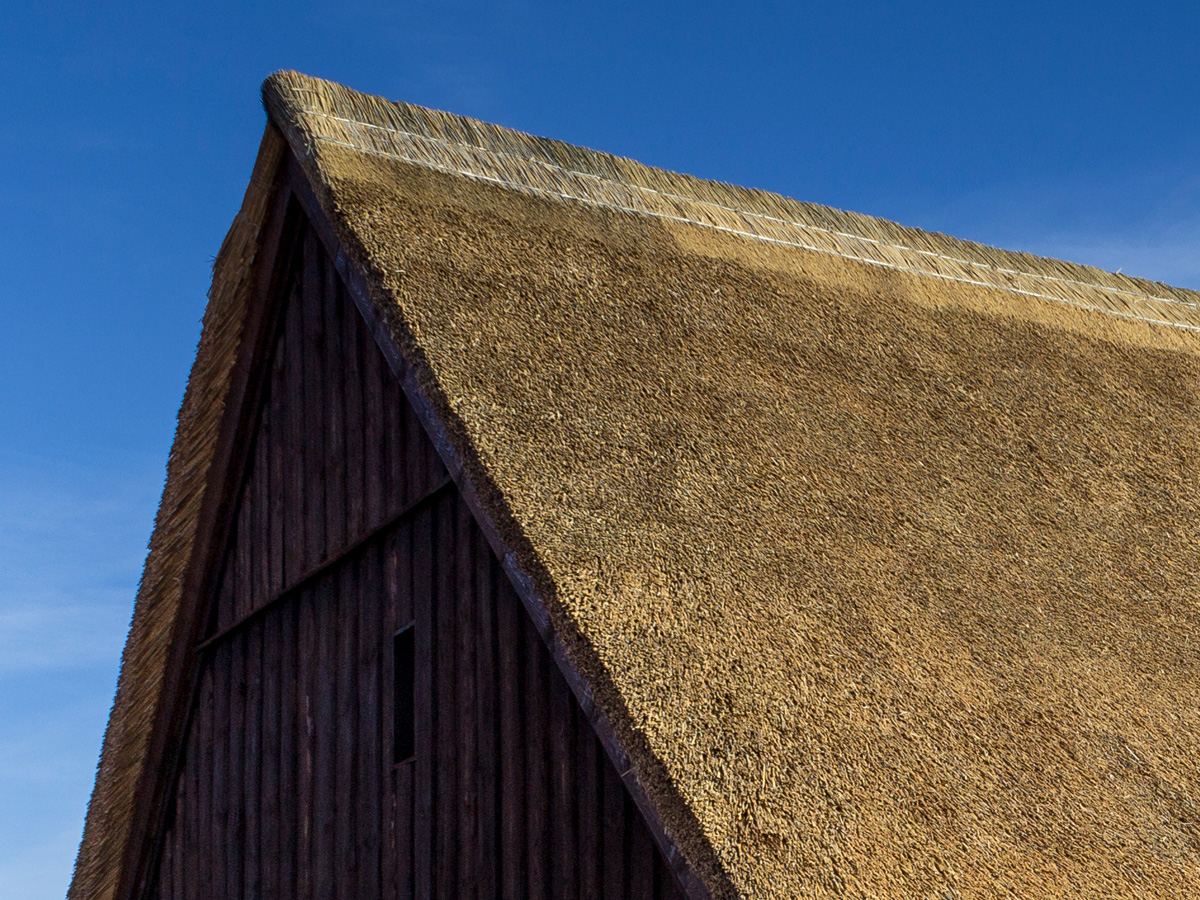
(328, 113)
(903, 248)
(312, 110)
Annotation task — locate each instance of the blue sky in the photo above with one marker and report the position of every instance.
(1067, 129)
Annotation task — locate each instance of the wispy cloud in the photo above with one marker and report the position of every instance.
(47, 766)
(72, 538)
(50, 734)
(1144, 223)
(58, 636)
(72, 543)
(37, 873)
(1165, 251)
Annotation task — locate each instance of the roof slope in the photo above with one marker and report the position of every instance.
(884, 544)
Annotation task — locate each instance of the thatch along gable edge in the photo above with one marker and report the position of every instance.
(135, 753)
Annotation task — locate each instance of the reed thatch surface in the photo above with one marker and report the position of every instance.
(885, 543)
(878, 547)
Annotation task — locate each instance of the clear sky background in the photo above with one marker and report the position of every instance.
(1066, 129)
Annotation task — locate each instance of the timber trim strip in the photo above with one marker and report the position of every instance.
(524, 582)
(326, 564)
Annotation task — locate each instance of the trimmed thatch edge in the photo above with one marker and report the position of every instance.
(130, 762)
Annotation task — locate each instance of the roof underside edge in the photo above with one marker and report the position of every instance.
(175, 553)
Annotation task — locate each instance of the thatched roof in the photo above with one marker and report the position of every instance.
(876, 547)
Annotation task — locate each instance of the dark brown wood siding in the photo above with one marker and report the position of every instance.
(347, 530)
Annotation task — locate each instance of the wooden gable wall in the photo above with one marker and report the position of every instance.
(348, 528)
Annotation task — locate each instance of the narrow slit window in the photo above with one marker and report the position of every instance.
(404, 708)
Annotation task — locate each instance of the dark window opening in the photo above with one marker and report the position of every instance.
(403, 706)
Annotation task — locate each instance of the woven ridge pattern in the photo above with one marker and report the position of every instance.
(549, 168)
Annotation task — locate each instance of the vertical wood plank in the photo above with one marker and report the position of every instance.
(641, 855)
(400, 576)
(294, 775)
(165, 878)
(243, 541)
(536, 793)
(374, 445)
(369, 780)
(260, 554)
(289, 822)
(222, 610)
(234, 654)
(201, 793)
(226, 596)
(461, 564)
(274, 673)
(295, 557)
(615, 847)
(418, 455)
(414, 452)
(511, 678)
(233, 835)
(169, 877)
(563, 788)
(435, 472)
(425, 810)
(219, 737)
(324, 689)
(373, 637)
(486, 724)
(186, 812)
(445, 754)
(389, 586)
(252, 764)
(352, 387)
(333, 309)
(312, 411)
(590, 781)
(393, 402)
(178, 843)
(307, 674)
(276, 454)
(344, 717)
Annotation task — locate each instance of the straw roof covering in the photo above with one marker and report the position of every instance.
(876, 547)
